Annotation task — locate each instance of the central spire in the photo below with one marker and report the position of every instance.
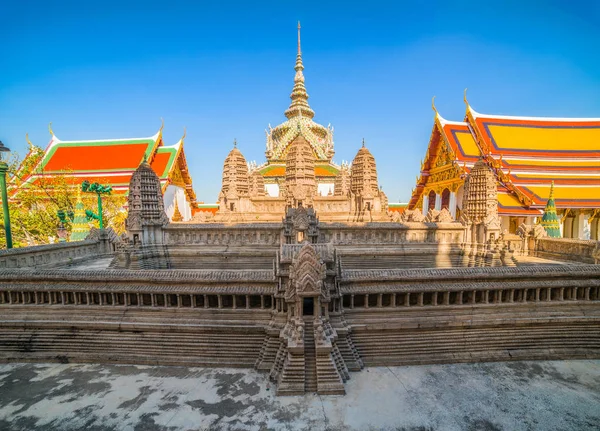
(299, 106)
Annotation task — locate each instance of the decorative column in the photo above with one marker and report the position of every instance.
(425, 203)
(452, 205)
(438, 202)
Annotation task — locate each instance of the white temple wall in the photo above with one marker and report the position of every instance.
(272, 190)
(176, 193)
(324, 188)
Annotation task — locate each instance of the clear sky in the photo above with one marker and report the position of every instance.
(224, 70)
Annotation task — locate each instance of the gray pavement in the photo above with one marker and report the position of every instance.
(551, 395)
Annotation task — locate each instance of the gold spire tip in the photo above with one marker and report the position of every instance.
(299, 50)
(363, 143)
(234, 143)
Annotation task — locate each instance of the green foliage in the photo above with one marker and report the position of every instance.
(34, 207)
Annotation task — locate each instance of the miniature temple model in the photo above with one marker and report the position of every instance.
(300, 171)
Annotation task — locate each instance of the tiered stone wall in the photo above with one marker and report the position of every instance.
(51, 255)
(476, 314)
(567, 249)
(210, 318)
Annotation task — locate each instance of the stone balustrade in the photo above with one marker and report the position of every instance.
(567, 249)
(51, 255)
(391, 233)
(220, 234)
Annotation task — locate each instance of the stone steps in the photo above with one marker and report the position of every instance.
(80, 345)
(401, 347)
(310, 370)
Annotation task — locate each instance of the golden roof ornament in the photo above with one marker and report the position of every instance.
(299, 96)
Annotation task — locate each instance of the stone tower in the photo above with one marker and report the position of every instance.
(364, 185)
(342, 181)
(146, 215)
(480, 215)
(301, 185)
(236, 183)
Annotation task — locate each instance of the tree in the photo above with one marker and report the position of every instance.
(34, 205)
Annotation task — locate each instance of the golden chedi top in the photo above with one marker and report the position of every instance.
(299, 120)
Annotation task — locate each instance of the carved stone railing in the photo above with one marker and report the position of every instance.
(51, 255)
(567, 249)
(391, 233)
(221, 234)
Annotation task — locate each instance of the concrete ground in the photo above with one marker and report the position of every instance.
(552, 395)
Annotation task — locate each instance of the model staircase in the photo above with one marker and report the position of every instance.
(310, 356)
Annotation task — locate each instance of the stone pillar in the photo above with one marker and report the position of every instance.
(438, 202)
(452, 205)
(248, 302)
(352, 301)
(367, 300)
(425, 203)
(379, 300)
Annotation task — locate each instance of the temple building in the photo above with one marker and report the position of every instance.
(526, 154)
(299, 172)
(113, 162)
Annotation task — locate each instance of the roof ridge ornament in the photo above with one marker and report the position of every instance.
(50, 128)
(465, 98)
(433, 105)
(184, 134)
(28, 141)
(162, 125)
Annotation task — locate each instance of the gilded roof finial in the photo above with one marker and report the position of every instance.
(299, 105)
(433, 105)
(162, 125)
(465, 98)
(50, 128)
(299, 50)
(184, 134)
(28, 141)
(551, 190)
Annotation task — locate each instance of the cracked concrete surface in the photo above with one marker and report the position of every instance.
(551, 395)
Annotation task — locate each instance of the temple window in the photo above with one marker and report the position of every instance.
(359, 300)
(159, 300)
(427, 298)
(531, 295)
(346, 301)
(227, 301)
(431, 200)
(268, 301)
(400, 299)
(373, 300)
(199, 300)
(186, 301)
(255, 301)
(213, 301)
(386, 300)
(240, 301)
(413, 299)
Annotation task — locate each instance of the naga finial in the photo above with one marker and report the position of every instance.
(184, 134)
(28, 141)
(433, 105)
(50, 128)
(162, 125)
(465, 97)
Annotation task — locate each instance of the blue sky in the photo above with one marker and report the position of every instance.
(224, 70)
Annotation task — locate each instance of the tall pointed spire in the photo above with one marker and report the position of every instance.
(299, 96)
(550, 219)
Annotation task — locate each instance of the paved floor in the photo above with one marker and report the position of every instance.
(557, 395)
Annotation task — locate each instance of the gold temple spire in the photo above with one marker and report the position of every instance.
(299, 106)
(299, 50)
